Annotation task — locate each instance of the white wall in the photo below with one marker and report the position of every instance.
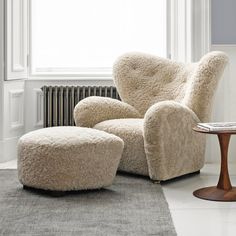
(13, 118)
(223, 38)
(13, 71)
(225, 104)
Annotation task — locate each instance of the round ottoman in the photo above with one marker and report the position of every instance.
(68, 158)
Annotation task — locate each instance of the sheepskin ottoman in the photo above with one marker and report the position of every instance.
(68, 158)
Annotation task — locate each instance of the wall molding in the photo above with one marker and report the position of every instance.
(38, 113)
(224, 45)
(16, 109)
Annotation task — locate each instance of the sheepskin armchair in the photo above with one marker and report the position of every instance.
(161, 102)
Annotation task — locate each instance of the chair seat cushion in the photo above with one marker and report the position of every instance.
(68, 158)
(133, 159)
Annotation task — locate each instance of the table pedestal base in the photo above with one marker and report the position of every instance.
(216, 194)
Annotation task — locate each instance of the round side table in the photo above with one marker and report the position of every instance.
(224, 190)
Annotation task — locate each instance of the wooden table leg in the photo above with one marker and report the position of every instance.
(224, 190)
(224, 180)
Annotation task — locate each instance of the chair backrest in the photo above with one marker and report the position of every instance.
(143, 80)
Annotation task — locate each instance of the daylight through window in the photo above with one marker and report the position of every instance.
(79, 36)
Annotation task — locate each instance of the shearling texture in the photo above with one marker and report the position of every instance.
(172, 147)
(93, 110)
(133, 159)
(68, 158)
(171, 97)
(143, 80)
(202, 84)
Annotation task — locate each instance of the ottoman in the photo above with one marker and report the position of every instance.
(68, 158)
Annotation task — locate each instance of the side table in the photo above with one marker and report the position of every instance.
(224, 190)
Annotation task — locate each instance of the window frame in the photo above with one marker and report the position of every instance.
(87, 73)
(188, 38)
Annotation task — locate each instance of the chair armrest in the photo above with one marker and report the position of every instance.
(172, 147)
(93, 110)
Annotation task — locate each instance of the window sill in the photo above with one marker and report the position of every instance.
(70, 78)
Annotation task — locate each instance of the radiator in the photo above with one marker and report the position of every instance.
(59, 102)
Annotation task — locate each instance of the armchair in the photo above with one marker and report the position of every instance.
(161, 101)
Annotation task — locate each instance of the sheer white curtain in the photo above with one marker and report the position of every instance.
(74, 36)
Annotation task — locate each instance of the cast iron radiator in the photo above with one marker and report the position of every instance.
(59, 102)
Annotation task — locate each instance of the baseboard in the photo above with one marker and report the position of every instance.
(8, 149)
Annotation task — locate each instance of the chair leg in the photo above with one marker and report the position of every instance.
(178, 177)
(26, 187)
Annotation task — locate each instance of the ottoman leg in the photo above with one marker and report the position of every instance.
(56, 193)
(49, 192)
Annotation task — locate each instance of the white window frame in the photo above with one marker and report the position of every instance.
(191, 39)
(186, 41)
(87, 73)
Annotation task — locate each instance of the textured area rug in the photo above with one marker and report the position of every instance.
(131, 206)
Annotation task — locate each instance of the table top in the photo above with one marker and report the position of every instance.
(198, 129)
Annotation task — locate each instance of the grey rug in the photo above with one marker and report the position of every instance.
(131, 206)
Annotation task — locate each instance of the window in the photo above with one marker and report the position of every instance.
(86, 36)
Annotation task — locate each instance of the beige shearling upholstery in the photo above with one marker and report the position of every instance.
(68, 158)
(131, 131)
(101, 109)
(170, 98)
(181, 150)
